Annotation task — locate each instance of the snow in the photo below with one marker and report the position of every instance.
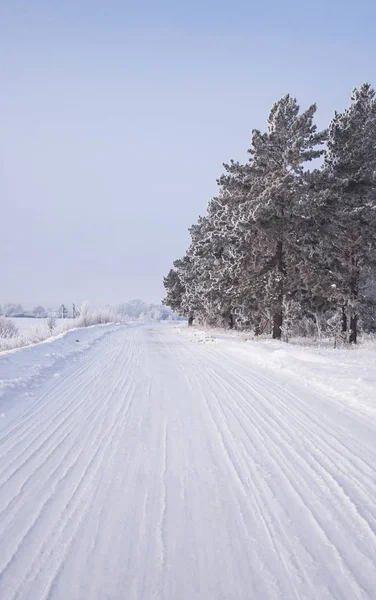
(347, 374)
(23, 369)
(33, 331)
(158, 462)
(28, 324)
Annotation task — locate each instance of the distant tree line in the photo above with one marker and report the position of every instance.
(284, 249)
(133, 310)
(140, 310)
(38, 312)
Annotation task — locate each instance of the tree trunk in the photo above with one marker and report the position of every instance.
(277, 325)
(231, 321)
(353, 329)
(354, 295)
(344, 320)
(190, 320)
(278, 314)
(257, 327)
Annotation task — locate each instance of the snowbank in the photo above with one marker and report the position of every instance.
(23, 369)
(347, 375)
(44, 329)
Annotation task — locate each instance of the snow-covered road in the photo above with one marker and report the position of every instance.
(155, 467)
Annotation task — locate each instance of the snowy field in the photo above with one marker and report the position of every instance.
(32, 331)
(27, 324)
(157, 462)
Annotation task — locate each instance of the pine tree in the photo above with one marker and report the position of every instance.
(63, 312)
(280, 244)
(213, 288)
(174, 291)
(239, 231)
(178, 285)
(350, 229)
(210, 262)
(279, 157)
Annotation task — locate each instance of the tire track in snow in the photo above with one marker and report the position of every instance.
(313, 441)
(118, 428)
(160, 468)
(66, 468)
(83, 404)
(218, 369)
(255, 507)
(27, 436)
(40, 401)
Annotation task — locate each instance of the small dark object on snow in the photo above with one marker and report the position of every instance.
(77, 340)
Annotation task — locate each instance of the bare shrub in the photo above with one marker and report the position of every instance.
(51, 323)
(85, 318)
(8, 329)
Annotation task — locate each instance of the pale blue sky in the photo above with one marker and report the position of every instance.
(116, 116)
